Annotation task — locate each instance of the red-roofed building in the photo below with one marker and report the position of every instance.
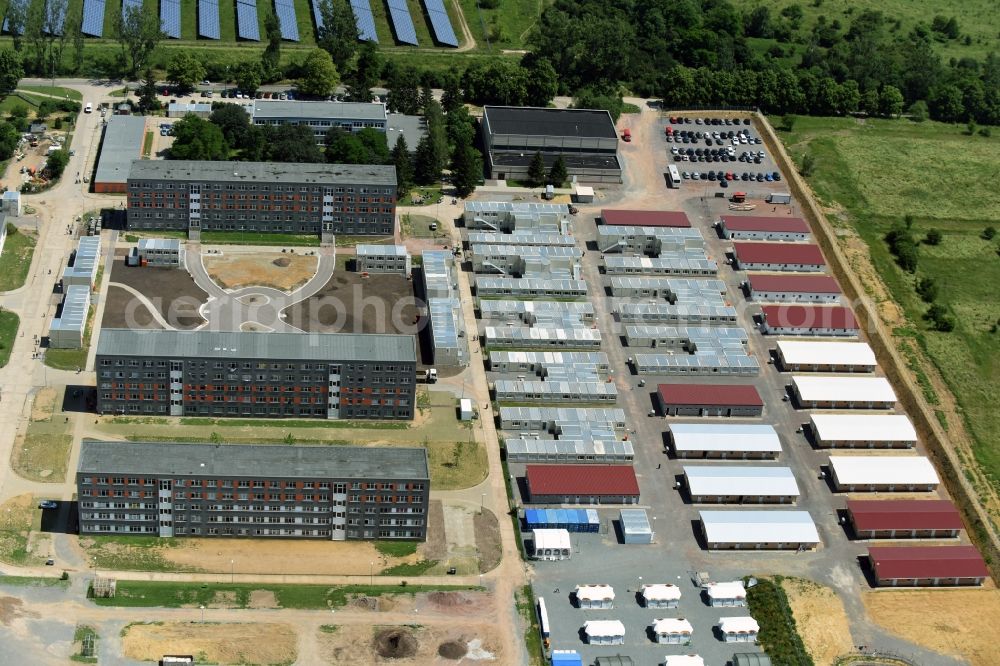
(581, 484)
(800, 288)
(765, 228)
(904, 519)
(778, 257)
(808, 320)
(709, 400)
(927, 566)
(616, 217)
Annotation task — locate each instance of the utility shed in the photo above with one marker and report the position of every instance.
(778, 257)
(726, 594)
(660, 595)
(812, 392)
(635, 526)
(551, 544)
(862, 431)
(825, 356)
(683, 660)
(566, 658)
(594, 597)
(581, 484)
(709, 400)
(604, 632)
(758, 530)
(927, 566)
(834, 320)
(763, 227)
(740, 441)
(738, 629)
(670, 630)
(904, 519)
(798, 288)
(616, 660)
(883, 473)
(644, 218)
(120, 146)
(740, 484)
(751, 659)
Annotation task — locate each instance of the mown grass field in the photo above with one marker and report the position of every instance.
(976, 18)
(9, 322)
(877, 172)
(505, 27)
(15, 260)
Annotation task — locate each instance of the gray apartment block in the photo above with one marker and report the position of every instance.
(324, 199)
(256, 375)
(159, 251)
(383, 259)
(321, 116)
(172, 489)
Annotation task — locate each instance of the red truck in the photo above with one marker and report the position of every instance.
(626, 135)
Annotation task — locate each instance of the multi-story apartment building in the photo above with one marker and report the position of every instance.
(206, 490)
(262, 375)
(323, 199)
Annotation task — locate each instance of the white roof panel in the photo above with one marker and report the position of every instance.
(548, 538)
(740, 480)
(738, 625)
(825, 352)
(672, 625)
(843, 389)
(724, 437)
(732, 589)
(595, 592)
(759, 527)
(604, 628)
(883, 470)
(863, 427)
(661, 592)
(683, 660)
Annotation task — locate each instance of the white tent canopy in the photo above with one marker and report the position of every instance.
(683, 660)
(728, 590)
(670, 625)
(661, 592)
(595, 593)
(604, 628)
(738, 625)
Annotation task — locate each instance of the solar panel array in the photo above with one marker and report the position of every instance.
(6, 22)
(366, 22)
(317, 15)
(93, 18)
(247, 25)
(402, 22)
(130, 3)
(208, 19)
(285, 11)
(170, 18)
(440, 23)
(55, 18)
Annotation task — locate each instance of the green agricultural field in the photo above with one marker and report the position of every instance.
(976, 18)
(875, 172)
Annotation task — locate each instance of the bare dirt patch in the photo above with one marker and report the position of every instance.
(962, 623)
(820, 619)
(857, 253)
(263, 599)
(395, 643)
(44, 404)
(172, 291)
(260, 269)
(12, 609)
(435, 547)
(452, 650)
(348, 303)
(213, 643)
(123, 310)
(487, 532)
(434, 644)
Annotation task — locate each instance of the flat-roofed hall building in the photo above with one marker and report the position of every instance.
(904, 519)
(261, 375)
(295, 492)
(323, 199)
(927, 566)
(758, 530)
(862, 431)
(320, 116)
(709, 400)
(796, 287)
(763, 227)
(586, 139)
(753, 256)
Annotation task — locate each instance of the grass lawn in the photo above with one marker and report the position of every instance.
(143, 594)
(73, 359)
(16, 258)
(44, 453)
(32, 581)
(877, 172)
(396, 548)
(258, 238)
(418, 226)
(55, 91)
(430, 194)
(147, 145)
(525, 600)
(134, 553)
(9, 322)
(507, 26)
(18, 516)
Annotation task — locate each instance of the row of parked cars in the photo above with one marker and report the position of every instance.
(735, 138)
(716, 155)
(684, 120)
(724, 176)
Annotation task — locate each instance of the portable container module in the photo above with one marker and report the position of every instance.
(660, 595)
(635, 526)
(594, 597)
(674, 631)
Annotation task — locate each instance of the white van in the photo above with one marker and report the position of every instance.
(88, 108)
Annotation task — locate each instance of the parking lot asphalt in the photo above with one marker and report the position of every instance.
(676, 553)
(697, 152)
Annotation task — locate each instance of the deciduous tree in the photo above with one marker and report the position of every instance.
(11, 70)
(558, 173)
(139, 34)
(198, 139)
(339, 34)
(185, 70)
(319, 74)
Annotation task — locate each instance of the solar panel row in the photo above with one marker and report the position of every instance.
(6, 22)
(55, 18)
(208, 19)
(247, 25)
(93, 18)
(402, 22)
(170, 18)
(317, 15)
(285, 11)
(440, 23)
(130, 3)
(365, 21)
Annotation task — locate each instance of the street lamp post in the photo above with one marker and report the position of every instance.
(232, 571)
(202, 614)
(482, 502)
(371, 573)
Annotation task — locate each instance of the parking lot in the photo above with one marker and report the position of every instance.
(727, 152)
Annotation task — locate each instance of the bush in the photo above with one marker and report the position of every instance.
(927, 289)
(939, 318)
(986, 131)
(903, 246)
(988, 233)
(778, 637)
(57, 123)
(933, 237)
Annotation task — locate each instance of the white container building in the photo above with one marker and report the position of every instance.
(739, 629)
(84, 263)
(528, 312)
(383, 259)
(159, 251)
(883, 473)
(660, 595)
(548, 418)
(819, 392)
(522, 337)
(823, 356)
(758, 530)
(694, 291)
(594, 597)
(516, 390)
(604, 632)
(507, 216)
(676, 315)
(551, 544)
(699, 363)
(540, 362)
(447, 332)
(569, 451)
(728, 594)
(520, 238)
(695, 263)
(527, 261)
(863, 431)
(67, 330)
(635, 526)
(535, 288)
(738, 441)
(672, 631)
(740, 484)
(687, 338)
(439, 276)
(647, 240)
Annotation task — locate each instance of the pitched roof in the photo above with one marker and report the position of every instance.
(798, 284)
(810, 316)
(645, 218)
(905, 562)
(779, 253)
(581, 480)
(765, 223)
(741, 395)
(904, 515)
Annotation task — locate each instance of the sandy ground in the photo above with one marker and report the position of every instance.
(262, 269)
(963, 623)
(44, 404)
(213, 643)
(355, 644)
(820, 619)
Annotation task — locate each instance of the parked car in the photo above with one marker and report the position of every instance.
(776, 176)
(48, 504)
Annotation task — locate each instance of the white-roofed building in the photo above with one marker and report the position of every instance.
(758, 530)
(740, 484)
(674, 631)
(572, 451)
(741, 441)
(68, 329)
(549, 544)
(595, 597)
(883, 473)
(818, 392)
(84, 262)
(604, 632)
(822, 356)
(382, 259)
(683, 660)
(660, 595)
(726, 594)
(863, 431)
(738, 629)
(158, 252)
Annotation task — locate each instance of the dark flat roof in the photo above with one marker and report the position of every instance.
(738, 395)
(810, 316)
(765, 223)
(121, 145)
(222, 460)
(617, 217)
(263, 172)
(581, 480)
(779, 253)
(801, 284)
(531, 121)
(906, 562)
(904, 515)
(572, 161)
